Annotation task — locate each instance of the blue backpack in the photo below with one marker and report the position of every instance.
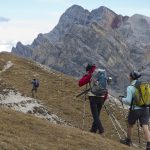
(99, 79)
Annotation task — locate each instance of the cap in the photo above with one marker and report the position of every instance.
(89, 66)
(135, 75)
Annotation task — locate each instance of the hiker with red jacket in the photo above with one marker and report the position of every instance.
(96, 99)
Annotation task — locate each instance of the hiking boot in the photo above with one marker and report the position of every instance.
(93, 131)
(126, 141)
(148, 146)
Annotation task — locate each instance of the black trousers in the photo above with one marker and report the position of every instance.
(96, 104)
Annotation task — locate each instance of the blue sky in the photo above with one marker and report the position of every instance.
(23, 20)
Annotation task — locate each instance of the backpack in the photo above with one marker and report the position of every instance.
(36, 83)
(99, 79)
(142, 94)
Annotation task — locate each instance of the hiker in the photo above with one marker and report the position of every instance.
(35, 85)
(96, 101)
(135, 112)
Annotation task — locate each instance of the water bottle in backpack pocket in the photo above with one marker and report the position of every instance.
(99, 79)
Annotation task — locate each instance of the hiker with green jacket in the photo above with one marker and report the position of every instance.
(135, 112)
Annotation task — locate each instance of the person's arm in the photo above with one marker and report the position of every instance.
(127, 100)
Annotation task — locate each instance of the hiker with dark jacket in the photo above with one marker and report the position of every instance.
(96, 103)
(35, 85)
(135, 112)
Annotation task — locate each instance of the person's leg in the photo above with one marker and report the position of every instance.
(94, 112)
(32, 91)
(127, 141)
(146, 132)
(129, 131)
(93, 128)
(35, 92)
(147, 135)
(95, 109)
(132, 117)
(100, 103)
(144, 120)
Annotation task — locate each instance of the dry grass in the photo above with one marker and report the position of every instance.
(57, 92)
(25, 132)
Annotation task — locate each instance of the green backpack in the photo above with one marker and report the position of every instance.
(142, 94)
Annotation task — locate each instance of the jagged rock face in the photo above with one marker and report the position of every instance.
(23, 50)
(100, 36)
(136, 32)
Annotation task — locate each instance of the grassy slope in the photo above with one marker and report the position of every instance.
(25, 132)
(57, 92)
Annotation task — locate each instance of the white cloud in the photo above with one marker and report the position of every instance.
(3, 19)
(22, 30)
(5, 47)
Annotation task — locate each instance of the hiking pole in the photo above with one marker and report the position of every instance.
(124, 113)
(122, 109)
(112, 121)
(83, 118)
(118, 105)
(139, 133)
(116, 121)
(113, 99)
(84, 92)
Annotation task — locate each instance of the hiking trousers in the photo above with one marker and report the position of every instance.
(34, 91)
(96, 104)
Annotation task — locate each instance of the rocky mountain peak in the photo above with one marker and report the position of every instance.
(103, 10)
(22, 50)
(102, 16)
(75, 14)
(75, 8)
(136, 30)
(19, 43)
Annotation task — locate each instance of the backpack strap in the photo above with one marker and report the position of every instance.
(131, 105)
(133, 98)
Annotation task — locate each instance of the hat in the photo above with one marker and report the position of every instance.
(89, 67)
(135, 75)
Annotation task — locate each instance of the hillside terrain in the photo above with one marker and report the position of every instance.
(55, 119)
(25, 132)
